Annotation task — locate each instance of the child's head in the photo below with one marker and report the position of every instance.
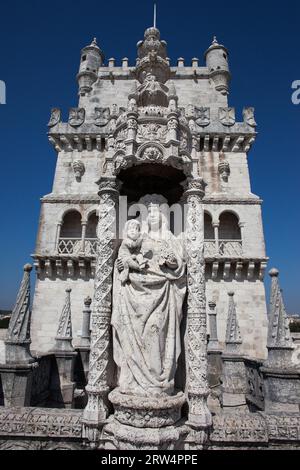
(133, 229)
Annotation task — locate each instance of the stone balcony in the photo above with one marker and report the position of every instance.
(76, 257)
(77, 246)
(223, 248)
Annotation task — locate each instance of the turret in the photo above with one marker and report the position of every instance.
(217, 64)
(91, 59)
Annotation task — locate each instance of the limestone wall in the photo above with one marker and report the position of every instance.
(49, 298)
(251, 312)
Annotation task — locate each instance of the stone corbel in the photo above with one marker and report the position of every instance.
(67, 141)
(59, 268)
(250, 272)
(226, 273)
(48, 268)
(78, 141)
(226, 143)
(262, 269)
(89, 143)
(215, 269)
(206, 143)
(70, 268)
(238, 270)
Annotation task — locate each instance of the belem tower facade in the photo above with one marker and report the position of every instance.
(141, 337)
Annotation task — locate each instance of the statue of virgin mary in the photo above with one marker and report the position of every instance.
(147, 305)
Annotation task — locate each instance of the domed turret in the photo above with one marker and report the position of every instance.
(152, 56)
(90, 60)
(217, 64)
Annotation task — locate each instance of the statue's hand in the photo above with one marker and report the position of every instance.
(120, 265)
(171, 261)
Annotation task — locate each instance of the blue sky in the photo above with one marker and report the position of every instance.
(40, 45)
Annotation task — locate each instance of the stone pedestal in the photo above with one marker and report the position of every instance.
(16, 383)
(84, 353)
(282, 389)
(150, 412)
(65, 364)
(214, 359)
(234, 382)
(145, 422)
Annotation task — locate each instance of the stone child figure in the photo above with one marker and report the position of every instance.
(147, 309)
(130, 256)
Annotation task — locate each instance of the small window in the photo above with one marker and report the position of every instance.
(225, 56)
(83, 58)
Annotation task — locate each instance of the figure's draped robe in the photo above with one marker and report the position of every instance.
(147, 312)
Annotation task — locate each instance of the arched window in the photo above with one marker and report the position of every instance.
(209, 236)
(208, 227)
(230, 239)
(229, 227)
(91, 230)
(90, 242)
(70, 234)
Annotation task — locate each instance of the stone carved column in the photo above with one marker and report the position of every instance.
(83, 235)
(216, 234)
(198, 390)
(96, 410)
(212, 315)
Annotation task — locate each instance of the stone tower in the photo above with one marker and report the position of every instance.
(130, 117)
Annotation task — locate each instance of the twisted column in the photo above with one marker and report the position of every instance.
(96, 410)
(198, 390)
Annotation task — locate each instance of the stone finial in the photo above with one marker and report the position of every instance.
(279, 335)
(64, 331)
(19, 325)
(86, 318)
(215, 41)
(233, 335)
(18, 334)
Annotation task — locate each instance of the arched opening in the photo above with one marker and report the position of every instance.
(208, 227)
(230, 239)
(209, 236)
(70, 234)
(152, 178)
(90, 242)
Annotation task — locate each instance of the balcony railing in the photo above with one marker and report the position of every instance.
(226, 248)
(88, 247)
(77, 246)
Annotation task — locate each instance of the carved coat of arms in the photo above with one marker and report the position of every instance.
(248, 114)
(202, 116)
(227, 116)
(76, 116)
(55, 117)
(102, 116)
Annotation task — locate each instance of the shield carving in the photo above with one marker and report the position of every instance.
(55, 117)
(248, 114)
(76, 116)
(227, 116)
(202, 116)
(102, 116)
